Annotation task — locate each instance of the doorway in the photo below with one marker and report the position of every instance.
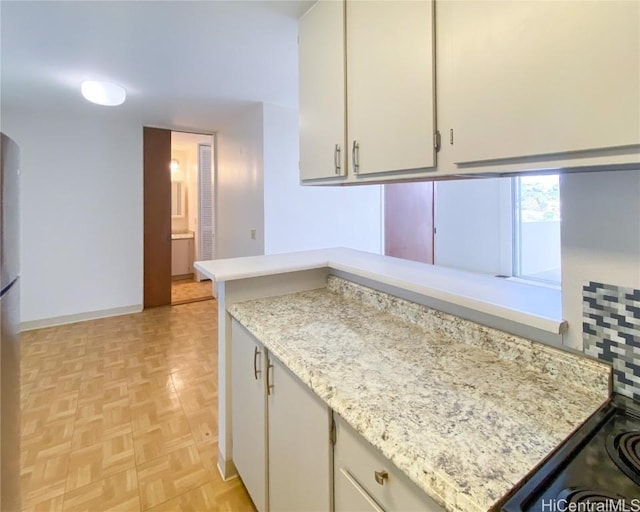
(408, 221)
(178, 215)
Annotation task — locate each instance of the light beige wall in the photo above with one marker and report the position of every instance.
(240, 187)
(302, 217)
(81, 212)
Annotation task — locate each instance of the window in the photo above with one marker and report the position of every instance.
(536, 228)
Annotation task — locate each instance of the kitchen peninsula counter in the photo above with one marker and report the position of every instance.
(529, 305)
(464, 410)
(530, 311)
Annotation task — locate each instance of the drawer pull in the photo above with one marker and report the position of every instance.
(256, 371)
(355, 156)
(336, 159)
(269, 381)
(381, 476)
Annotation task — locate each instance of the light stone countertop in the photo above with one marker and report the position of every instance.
(464, 410)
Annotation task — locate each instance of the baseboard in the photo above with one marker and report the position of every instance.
(226, 468)
(78, 317)
(181, 277)
(190, 301)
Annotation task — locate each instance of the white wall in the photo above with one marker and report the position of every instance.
(81, 212)
(473, 225)
(600, 232)
(239, 190)
(310, 217)
(82, 196)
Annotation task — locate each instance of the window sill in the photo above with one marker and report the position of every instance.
(535, 282)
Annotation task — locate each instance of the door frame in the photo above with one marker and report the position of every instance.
(160, 209)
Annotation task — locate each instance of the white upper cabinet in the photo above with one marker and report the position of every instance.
(322, 91)
(390, 85)
(536, 78)
(526, 85)
(366, 98)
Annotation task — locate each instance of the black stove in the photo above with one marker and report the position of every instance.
(596, 470)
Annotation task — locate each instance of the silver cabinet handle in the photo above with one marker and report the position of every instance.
(336, 159)
(256, 370)
(381, 476)
(269, 383)
(355, 156)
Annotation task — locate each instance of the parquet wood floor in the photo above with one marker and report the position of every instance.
(120, 414)
(189, 290)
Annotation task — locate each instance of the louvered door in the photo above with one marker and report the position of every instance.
(205, 203)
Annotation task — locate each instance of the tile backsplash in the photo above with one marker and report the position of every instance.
(611, 332)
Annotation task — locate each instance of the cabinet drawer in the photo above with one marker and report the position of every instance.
(350, 496)
(356, 458)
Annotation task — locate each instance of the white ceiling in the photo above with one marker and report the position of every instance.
(185, 64)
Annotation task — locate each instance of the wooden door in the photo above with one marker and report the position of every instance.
(322, 91)
(157, 217)
(408, 221)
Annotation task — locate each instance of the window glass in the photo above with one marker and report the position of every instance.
(536, 247)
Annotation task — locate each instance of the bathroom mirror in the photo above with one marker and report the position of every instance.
(178, 199)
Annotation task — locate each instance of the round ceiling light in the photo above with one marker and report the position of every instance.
(103, 93)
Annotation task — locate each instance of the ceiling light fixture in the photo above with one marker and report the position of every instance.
(174, 165)
(103, 93)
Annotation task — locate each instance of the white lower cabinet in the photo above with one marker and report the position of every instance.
(367, 481)
(288, 455)
(281, 432)
(300, 450)
(181, 256)
(248, 413)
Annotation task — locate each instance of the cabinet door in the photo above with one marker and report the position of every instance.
(248, 406)
(322, 91)
(390, 85)
(300, 451)
(536, 78)
(179, 257)
(190, 256)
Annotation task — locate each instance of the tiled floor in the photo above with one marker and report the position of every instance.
(189, 290)
(120, 414)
